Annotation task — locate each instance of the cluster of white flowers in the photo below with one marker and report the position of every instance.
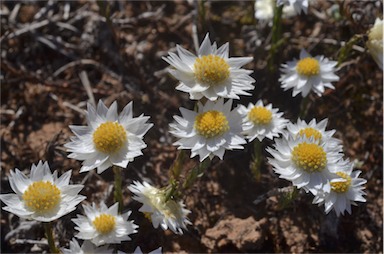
(309, 157)
(215, 127)
(304, 153)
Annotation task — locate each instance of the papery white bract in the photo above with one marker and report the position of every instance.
(298, 5)
(109, 139)
(264, 10)
(315, 130)
(212, 73)
(261, 121)
(210, 131)
(103, 225)
(303, 161)
(86, 247)
(308, 74)
(170, 214)
(375, 42)
(43, 196)
(342, 190)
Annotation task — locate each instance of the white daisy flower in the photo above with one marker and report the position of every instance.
(298, 5)
(170, 214)
(375, 42)
(308, 73)
(210, 131)
(264, 10)
(138, 251)
(303, 161)
(86, 247)
(104, 225)
(261, 121)
(109, 139)
(43, 196)
(212, 73)
(342, 190)
(315, 130)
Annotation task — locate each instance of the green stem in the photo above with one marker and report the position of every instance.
(175, 169)
(196, 173)
(287, 198)
(257, 158)
(276, 35)
(118, 195)
(304, 107)
(51, 239)
(201, 11)
(346, 49)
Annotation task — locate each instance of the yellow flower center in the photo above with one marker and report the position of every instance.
(260, 115)
(104, 223)
(42, 196)
(309, 157)
(211, 124)
(341, 186)
(211, 69)
(109, 137)
(308, 67)
(310, 132)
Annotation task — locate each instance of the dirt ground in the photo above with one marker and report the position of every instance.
(49, 50)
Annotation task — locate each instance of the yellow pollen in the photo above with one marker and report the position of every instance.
(42, 196)
(260, 115)
(211, 69)
(310, 132)
(309, 157)
(104, 223)
(211, 124)
(308, 67)
(341, 186)
(109, 137)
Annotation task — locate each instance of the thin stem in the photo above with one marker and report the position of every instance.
(257, 159)
(201, 11)
(276, 35)
(175, 169)
(118, 195)
(347, 48)
(304, 107)
(287, 198)
(51, 239)
(196, 173)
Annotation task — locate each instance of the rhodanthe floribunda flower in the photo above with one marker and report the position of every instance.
(109, 139)
(315, 130)
(43, 196)
(86, 247)
(264, 10)
(261, 121)
(308, 73)
(138, 251)
(104, 225)
(211, 73)
(210, 131)
(342, 190)
(303, 161)
(375, 42)
(298, 5)
(170, 214)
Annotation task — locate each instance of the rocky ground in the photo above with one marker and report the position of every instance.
(55, 56)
